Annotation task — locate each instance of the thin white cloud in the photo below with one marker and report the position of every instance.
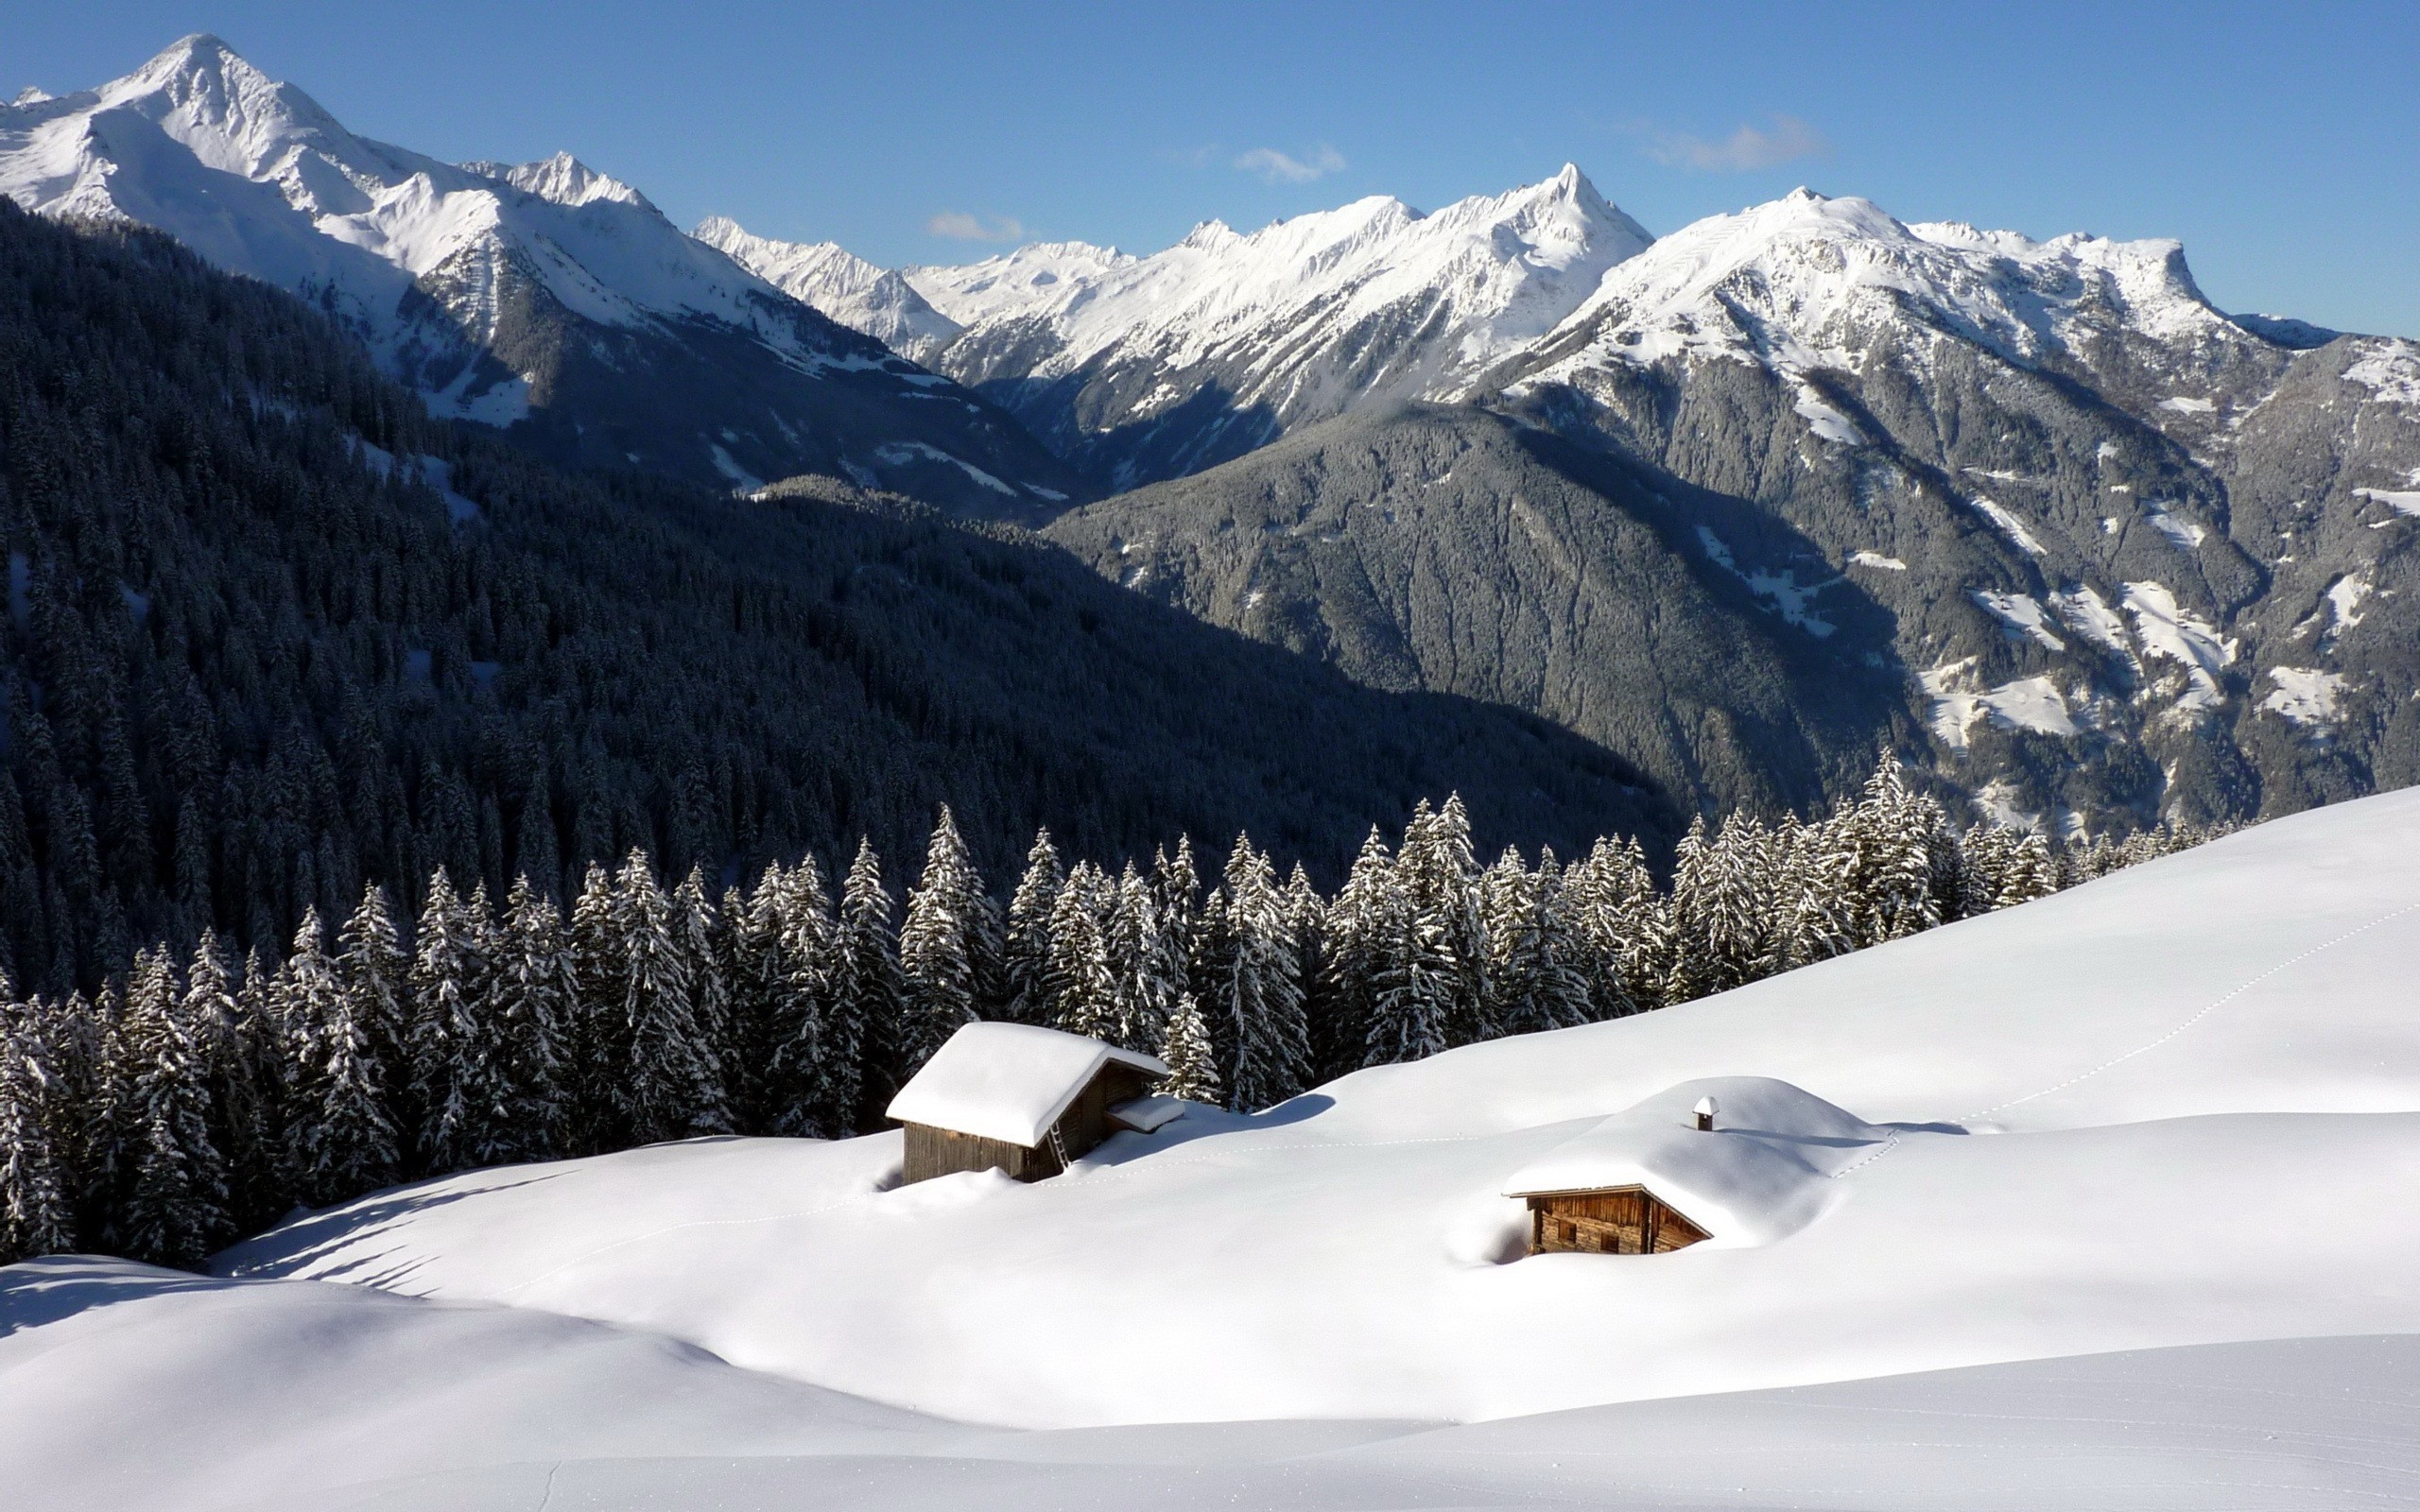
(1744, 150)
(959, 225)
(1280, 167)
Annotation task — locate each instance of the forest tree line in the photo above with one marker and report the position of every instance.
(195, 1099)
(272, 634)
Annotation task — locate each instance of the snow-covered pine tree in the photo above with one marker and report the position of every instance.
(1255, 985)
(1146, 967)
(1988, 850)
(816, 1051)
(373, 969)
(175, 1205)
(1025, 951)
(238, 1057)
(36, 1215)
(1440, 878)
(1078, 992)
(2028, 872)
(1413, 997)
(1816, 895)
(752, 936)
(597, 1027)
(1691, 973)
(949, 949)
(1534, 960)
(1192, 1060)
(1177, 886)
(868, 994)
(340, 1136)
(1730, 924)
(467, 1113)
(671, 1086)
(1890, 861)
(532, 984)
(1307, 930)
(1363, 930)
(697, 923)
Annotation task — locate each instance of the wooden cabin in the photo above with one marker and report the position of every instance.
(1607, 1221)
(1024, 1100)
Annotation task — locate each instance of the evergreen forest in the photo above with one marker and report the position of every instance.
(194, 1100)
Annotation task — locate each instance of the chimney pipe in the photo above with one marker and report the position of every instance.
(1706, 1110)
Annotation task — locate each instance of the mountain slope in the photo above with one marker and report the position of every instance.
(873, 301)
(2108, 519)
(276, 632)
(1139, 369)
(2130, 557)
(1450, 549)
(2021, 1174)
(545, 298)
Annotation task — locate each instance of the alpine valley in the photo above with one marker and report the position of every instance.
(1743, 505)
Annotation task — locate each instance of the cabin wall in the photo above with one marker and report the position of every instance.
(933, 1152)
(1614, 1221)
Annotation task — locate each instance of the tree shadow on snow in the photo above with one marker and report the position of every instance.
(304, 1243)
(54, 1287)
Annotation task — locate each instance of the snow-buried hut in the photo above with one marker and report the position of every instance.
(1739, 1159)
(1024, 1100)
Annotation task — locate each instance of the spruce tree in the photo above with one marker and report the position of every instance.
(463, 1092)
(1026, 952)
(36, 1215)
(374, 971)
(1078, 989)
(869, 995)
(176, 1201)
(1192, 1062)
(597, 1026)
(532, 986)
(1254, 984)
(671, 1086)
(1440, 880)
(238, 1056)
(697, 926)
(1364, 929)
(949, 948)
(341, 1134)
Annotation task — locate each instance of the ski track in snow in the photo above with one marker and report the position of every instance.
(2215, 1005)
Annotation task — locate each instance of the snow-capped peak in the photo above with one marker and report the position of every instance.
(560, 180)
(1807, 280)
(851, 290)
(1489, 271)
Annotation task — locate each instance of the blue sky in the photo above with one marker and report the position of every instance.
(2276, 141)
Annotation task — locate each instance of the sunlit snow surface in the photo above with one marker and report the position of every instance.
(2189, 1099)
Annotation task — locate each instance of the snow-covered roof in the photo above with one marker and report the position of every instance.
(1006, 1081)
(1762, 1172)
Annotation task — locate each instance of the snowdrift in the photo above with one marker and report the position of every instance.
(2073, 1106)
(1765, 1172)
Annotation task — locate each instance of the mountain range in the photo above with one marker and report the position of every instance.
(1744, 503)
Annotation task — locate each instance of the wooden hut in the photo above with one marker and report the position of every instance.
(1024, 1100)
(1682, 1167)
(1607, 1221)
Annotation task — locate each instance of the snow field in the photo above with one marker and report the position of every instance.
(2198, 1120)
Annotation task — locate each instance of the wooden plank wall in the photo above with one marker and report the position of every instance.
(1614, 1221)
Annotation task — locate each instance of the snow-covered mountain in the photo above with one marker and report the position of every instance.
(2020, 1276)
(2122, 554)
(876, 301)
(544, 295)
(1139, 369)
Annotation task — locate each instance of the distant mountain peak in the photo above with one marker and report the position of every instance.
(562, 179)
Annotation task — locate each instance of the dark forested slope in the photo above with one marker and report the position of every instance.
(273, 633)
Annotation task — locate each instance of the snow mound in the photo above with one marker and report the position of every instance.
(1766, 1170)
(1006, 1081)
